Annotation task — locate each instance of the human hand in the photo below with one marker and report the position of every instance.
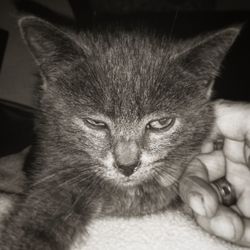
(232, 162)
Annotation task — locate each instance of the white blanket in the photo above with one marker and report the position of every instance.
(171, 230)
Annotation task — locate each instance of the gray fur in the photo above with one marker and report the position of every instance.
(125, 76)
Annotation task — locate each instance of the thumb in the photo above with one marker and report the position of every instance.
(195, 190)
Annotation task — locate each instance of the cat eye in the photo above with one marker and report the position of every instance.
(164, 123)
(96, 123)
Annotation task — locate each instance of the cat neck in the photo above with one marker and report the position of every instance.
(140, 200)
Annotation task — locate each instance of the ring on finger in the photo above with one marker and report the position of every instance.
(225, 191)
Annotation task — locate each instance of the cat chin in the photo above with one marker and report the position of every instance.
(128, 183)
(123, 181)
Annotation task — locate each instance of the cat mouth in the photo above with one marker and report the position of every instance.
(157, 172)
(132, 180)
(140, 175)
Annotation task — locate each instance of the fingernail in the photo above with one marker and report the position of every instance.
(196, 202)
(223, 227)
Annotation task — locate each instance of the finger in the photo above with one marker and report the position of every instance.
(215, 164)
(214, 141)
(243, 203)
(207, 147)
(245, 239)
(232, 120)
(234, 150)
(226, 224)
(238, 175)
(195, 190)
(237, 210)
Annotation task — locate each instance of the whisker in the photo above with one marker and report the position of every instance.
(173, 24)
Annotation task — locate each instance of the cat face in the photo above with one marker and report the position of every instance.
(132, 104)
(130, 152)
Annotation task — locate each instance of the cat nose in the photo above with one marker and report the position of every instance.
(128, 170)
(127, 156)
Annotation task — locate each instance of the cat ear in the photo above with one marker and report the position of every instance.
(48, 44)
(205, 56)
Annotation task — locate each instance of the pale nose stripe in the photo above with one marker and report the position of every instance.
(126, 152)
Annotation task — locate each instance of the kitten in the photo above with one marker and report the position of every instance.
(121, 113)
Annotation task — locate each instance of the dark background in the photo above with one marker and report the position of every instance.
(179, 18)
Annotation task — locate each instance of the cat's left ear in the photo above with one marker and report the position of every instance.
(206, 54)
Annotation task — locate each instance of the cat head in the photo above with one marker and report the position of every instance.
(133, 104)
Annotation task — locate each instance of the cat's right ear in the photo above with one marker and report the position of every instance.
(49, 45)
